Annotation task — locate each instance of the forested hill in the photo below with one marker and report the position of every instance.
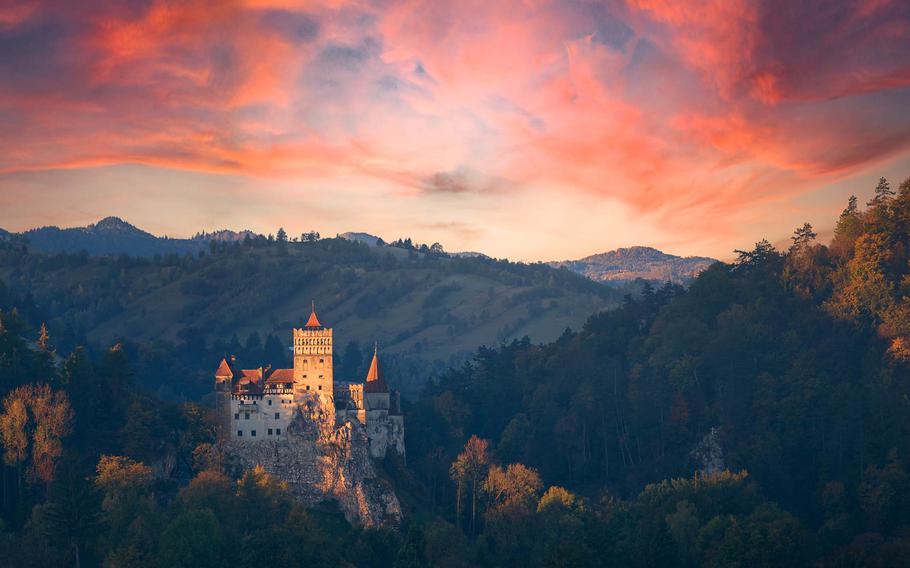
(426, 310)
(110, 235)
(625, 265)
(760, 417)
(792, 366)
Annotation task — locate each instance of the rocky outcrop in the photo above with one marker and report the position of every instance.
(708, 454)
(320, 461)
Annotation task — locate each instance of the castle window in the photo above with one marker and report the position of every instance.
(270, 431)
(278, 431)
(308, 387)
(247, 416)
(277, 415)
(321, 361)
(236, 416)
(270, 402)
(320, 387)
(240, 433)
(253, 433)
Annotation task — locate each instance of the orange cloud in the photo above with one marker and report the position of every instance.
(673, 110)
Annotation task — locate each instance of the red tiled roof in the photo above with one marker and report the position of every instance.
(313, 321)
(375, 382)
(248, 381)
(281, 376)
(252, 374)
(224, 369)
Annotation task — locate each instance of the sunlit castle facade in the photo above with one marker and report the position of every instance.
(257, 405)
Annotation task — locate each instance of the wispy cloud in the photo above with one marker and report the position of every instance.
(677, 112)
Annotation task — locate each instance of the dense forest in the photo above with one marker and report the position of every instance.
(758, 418)
(179, 314)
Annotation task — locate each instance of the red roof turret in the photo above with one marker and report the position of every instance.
(224, 370)
(375, 382)
(313, 321)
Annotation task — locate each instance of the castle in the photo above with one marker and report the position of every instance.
(256, 406)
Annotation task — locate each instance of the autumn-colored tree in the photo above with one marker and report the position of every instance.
(34, 421)
(901, 206)
(118, 474)
(261, 497)
(512, 494)
(130, 510)
(53, 421)
(44, 338)
(865, 290)
(14, 431)
(512, 489)
(468, 469)
(847, 229)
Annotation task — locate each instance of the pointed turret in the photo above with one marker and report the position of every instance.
(313, 321)
(224, 370)
(375, 382)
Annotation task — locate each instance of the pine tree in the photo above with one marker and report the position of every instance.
(849, 226)
(802, 237)
(883, 193)
(851, 209)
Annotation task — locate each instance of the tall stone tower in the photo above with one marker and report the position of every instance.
(224, 384)
(313, 360)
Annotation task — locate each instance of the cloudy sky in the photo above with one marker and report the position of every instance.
(529, 129)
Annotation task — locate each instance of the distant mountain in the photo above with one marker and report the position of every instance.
(114, 236)
(628, 264)
(224, 236)
(469, 254)
(109, 236)
(365, 238)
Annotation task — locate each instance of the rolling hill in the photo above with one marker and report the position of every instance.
(427, 311)
(110, 235)
(625, 265)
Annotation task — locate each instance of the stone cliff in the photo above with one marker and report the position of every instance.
(320, 460)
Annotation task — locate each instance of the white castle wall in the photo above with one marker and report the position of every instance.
(260, 417)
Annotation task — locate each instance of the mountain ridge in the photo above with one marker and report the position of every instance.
(115, 236)
(627, 264)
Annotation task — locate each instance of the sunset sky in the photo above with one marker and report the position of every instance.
(534, 129)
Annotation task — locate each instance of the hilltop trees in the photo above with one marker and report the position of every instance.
(794, 362)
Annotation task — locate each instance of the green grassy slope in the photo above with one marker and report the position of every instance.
(422, 307)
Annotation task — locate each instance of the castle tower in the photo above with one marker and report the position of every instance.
(313, 360)
(224, 378)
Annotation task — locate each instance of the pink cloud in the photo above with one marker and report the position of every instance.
(677, 111)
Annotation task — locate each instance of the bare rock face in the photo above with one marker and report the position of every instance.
(320, 460)
(708, 454)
